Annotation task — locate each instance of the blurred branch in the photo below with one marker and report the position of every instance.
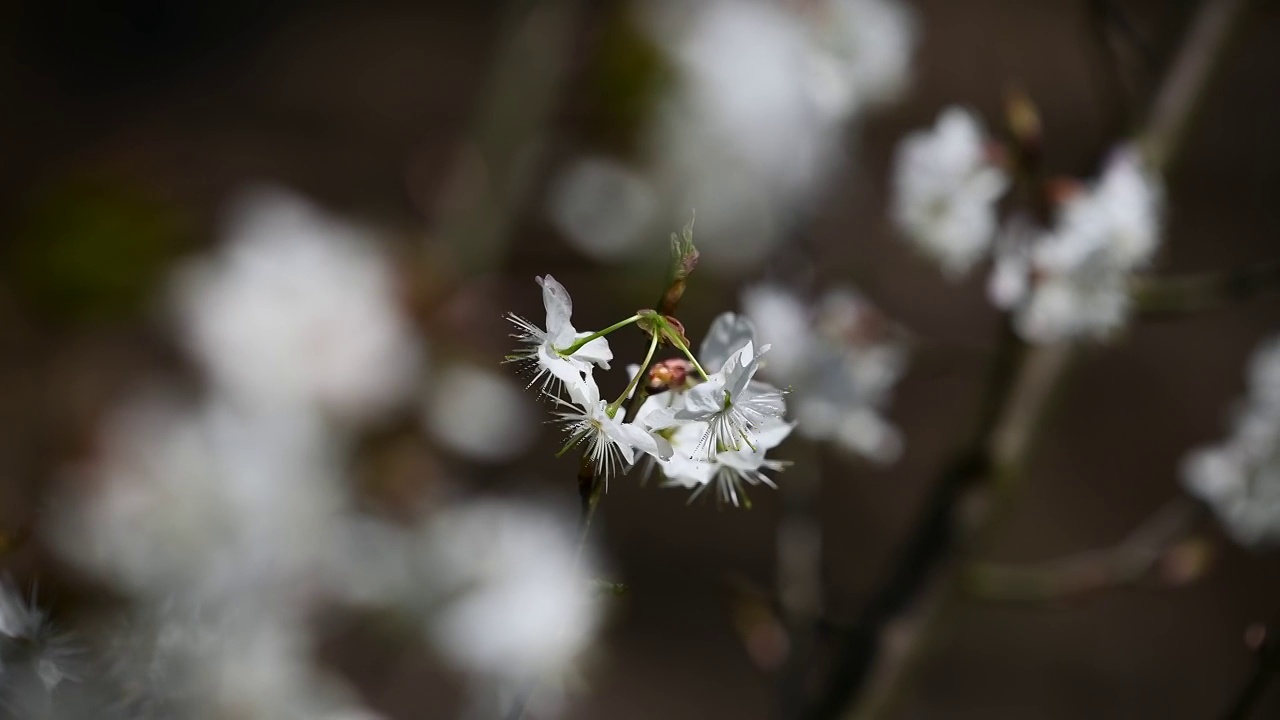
(881, 653)
(1103, 16)
(1179, 97)
(498, 160)
(1156, 550)
(1160, 297)
(1266, 650)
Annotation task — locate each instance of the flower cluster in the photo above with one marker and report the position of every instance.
(1063, 282)
(1240, 477)
(707, 422)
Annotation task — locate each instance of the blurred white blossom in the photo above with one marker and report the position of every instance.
(868, 48)
(479, 414)
(298, 309)
(203, 502)
(751, 128)
(1240, 476)
(603, 207)
(945, 189)
(842, 379)
(508, 590)
(1073, 281)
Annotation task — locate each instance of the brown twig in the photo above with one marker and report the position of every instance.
(1166, 297)
(1139, 557)
(1266, 648)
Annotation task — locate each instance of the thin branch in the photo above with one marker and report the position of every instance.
(1266, 665)
(1179, 98)
(1142, 556)
(1165, 297)
(882, 652)
(501, 155)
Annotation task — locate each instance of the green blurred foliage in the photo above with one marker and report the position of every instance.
(627, 78)
(94, 249)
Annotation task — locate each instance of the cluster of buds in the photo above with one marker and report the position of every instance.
(703, 420)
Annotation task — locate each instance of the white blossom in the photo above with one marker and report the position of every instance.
(868, 47)
(703, 456)
(733, 408)
(479, 414)
(508, 591)
(252, 662)
(842, 377)
(610, 444)
(729, 469)
(202, 502)
(540, 354)
(749, 131)
(1240, 476)
(298, 309)
(1072, 281)
(945, 189)
(603, 207)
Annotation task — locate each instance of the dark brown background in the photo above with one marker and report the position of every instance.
(166, 107)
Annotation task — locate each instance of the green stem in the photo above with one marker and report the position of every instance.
(577, 344)
(635, 379)
(675, 340)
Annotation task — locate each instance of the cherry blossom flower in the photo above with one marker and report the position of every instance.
(1072, 281)
(1239, 478)
(945, 189)
(543, 355)
(610, 443)
(298, 310)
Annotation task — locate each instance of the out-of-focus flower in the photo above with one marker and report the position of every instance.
(945, 189)
(507, 590)
(1240, 477)
(1122, 210)
(203, 503)
(752, 126)
(1073, 281)
(868, 44)
(299, 310)
(842, 381)
(603, 208)
(479, 414)
(543, 353)
(782, 321)
(251, 663)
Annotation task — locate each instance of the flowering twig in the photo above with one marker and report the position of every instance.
(1160, 297)
(927, 582)
(1155, 549)
(1266, 649)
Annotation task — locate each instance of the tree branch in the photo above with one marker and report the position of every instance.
(1164, 297)
(881, 653)
(1266, 665)
(1153, 551)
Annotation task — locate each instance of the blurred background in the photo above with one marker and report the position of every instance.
(487, 143)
